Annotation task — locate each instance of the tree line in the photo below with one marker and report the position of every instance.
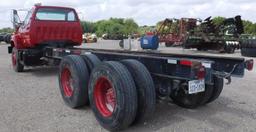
(111, 26)
(129, 26)
(6, 30)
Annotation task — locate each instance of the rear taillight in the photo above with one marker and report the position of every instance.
(200, 74)
(249, 65)
(186, 62)
(77, 52)
(197, 67)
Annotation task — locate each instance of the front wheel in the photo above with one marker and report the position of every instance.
(16, 64)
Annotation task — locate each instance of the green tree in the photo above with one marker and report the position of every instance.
(103, 27)
(249, 27)
(117, 20)
(6, 30)
(116, 26)
(218, 20)
(144, 29)
(88, 27)
(130, 27)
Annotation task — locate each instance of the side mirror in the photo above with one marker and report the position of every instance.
(16, 19)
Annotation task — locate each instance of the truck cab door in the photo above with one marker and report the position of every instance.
(25, 28)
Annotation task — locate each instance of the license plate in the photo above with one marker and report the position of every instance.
(196, 86)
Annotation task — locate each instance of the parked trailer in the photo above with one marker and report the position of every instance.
(122, 86)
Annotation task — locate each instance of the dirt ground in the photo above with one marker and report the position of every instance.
(31, 102)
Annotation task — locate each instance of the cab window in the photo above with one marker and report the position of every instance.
(53, 14)
(27, 18)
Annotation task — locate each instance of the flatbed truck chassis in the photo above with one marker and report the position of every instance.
(122, 86)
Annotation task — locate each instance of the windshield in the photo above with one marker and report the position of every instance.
(54, 14)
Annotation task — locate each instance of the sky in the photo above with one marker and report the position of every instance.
(144, 12)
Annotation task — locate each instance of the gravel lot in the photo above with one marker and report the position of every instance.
(31, 102)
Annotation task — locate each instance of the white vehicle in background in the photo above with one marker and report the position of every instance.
(90, 38)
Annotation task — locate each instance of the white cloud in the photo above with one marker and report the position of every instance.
(143, 11)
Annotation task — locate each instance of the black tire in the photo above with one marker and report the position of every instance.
(145, 89)
(9, 38)
(73, 68)
(244, 43)
(248, 47)
(1, 38)
(5, 38)
(217, 88)
(95, 40)
(249, 52)
(229, 49)
(250, 43)
(17, 66)
(254, 43)
(201, 49)
(123, 89)
(191, 101)
(91, 61)
(121, 44)
(168, 44)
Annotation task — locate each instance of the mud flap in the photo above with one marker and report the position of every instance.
(10, 49)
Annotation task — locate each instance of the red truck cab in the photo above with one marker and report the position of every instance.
(44, 26)
(47, 26)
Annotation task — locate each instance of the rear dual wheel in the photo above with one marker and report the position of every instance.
(74, 78)
(73, 81)
(91, 61)
(217, 88)
(145, 89)
(211, 93)
(113, 96)
(182, 98)
(121, 93)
